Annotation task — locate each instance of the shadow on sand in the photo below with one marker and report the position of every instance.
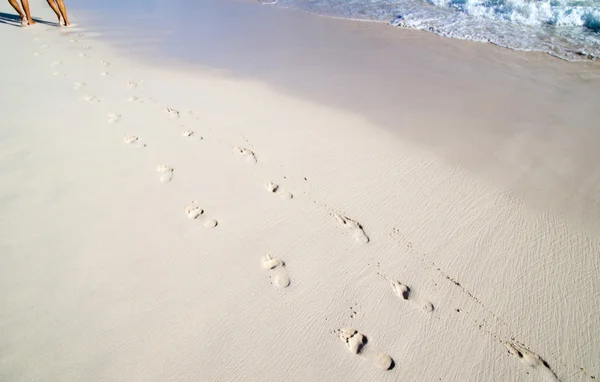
(15, 20)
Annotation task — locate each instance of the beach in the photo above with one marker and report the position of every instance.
(192, 202)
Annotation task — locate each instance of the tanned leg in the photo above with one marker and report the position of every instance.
(17, 8)
(63, 11)
(52, 5)
(25, 4)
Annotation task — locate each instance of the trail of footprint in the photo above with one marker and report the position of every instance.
(358, 232)
(530, 359)
(166, 173)
(114, 117)
(132, 85)
(272, 187)
(508, 338)
(280, 277)
(105, 74)
(134, 141)
(105, 63)
(194, 211)
(356, 343)
(79, 85)
(172, 113)
(248, 154)
(404, 292)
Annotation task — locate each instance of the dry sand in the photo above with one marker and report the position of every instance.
(338, 247)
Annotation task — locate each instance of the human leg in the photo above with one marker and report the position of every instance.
(17, 8)
(52, 5)
(25, 4)
(63, 11)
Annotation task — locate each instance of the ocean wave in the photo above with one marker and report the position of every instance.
(558, 13)
(569, 29)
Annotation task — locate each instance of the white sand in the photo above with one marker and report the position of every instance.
(112, 268)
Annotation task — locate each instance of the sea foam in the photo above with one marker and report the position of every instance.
(569, 29)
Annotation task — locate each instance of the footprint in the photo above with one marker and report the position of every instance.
(356, 343)
(194, 211)
(37, 54)
(134, 141)
(166, 173)
(192, 135)
(173, 114)
(83, 55)
(530, 359)
(114, 117)
(353, 339)
(279, 276)
(79, 85)
(401, 290)
(59, 74)
(56, 63)
(404, 292)
(272, 187)
(91, 98)
(105, 63)
(249, 155)
(132, 85)
(43, 46)
(87, 47)
(210, 223)
(73, 41)
(132, 99)
(358, 232)
(131, 138)
(105, 74)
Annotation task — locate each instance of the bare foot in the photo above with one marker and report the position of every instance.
(23, 21)
(31, 22)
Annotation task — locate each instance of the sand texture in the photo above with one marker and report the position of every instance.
(169, 225)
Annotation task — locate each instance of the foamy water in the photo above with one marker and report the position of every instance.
(569, 29)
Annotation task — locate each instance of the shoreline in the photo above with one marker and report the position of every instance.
(396, 78)
(113, 273)
(587, 58)
(577, 56)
